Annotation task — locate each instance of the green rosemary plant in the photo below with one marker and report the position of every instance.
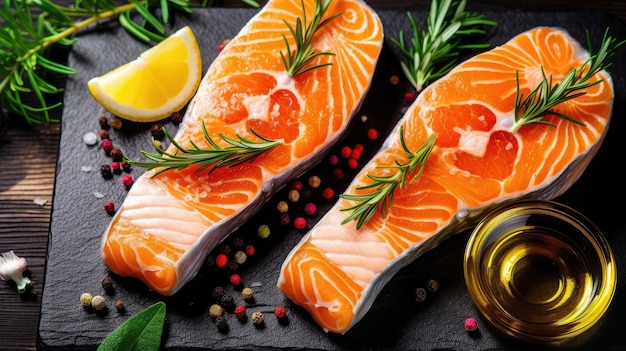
(31, 27)
(432, 53)
(383, 187)
(532, 108)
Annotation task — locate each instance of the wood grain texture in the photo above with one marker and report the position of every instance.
(29, 164)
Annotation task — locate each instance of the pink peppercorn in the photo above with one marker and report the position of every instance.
(296, 185)
(240, 311)
(409, 96)
(338, 174)
(280, 312)
(346, 151)
(333, 160)
(299, 223)
(235, 279)
(328, 193)
(353, 163)
(372, 134)
(471, 325)
(115, 167)
(106, 145)
(250, 250)
(356, 153)
(127, 180)
(221, 260)
(310, 208)
(109, 206)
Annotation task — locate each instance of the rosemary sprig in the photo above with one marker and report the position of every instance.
(383, 187)
(434, 52)
(296, 61)
(31, 27)
(239, 151)
(539, 103)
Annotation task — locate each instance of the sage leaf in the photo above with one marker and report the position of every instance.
(141, 332)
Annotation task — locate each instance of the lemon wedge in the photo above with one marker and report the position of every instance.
(159, 82)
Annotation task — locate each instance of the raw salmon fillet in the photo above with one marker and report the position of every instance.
(477, 163)
(168, 223)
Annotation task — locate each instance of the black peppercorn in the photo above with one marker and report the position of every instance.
(107, 284)
(106, 172)
(103, 134)
(228, 302)
(238, 243)
(221, 324)
(432, 285)
(157, 131)
(104, 123)
(285, 219)
(217, 293)
(125, 166)
(176, 117)
(117, 155)
(226, 249)
(420, 294)
(305, 193)
(233, 266)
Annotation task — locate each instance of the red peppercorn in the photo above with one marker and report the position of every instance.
(471, 325)
(299, 223)
(106, 145)
(346, 151)
(250, 250)
(310, 208)
(240, 311)
(235, 280)
(127, 180)
(356, 153)
(338, 174)
(280, 312)
(109, 206)
(409, 96)
(221, 260)
(333, 160)
(296, 185)
(372, 134)
(353, 163)
(328, 193)
(116, 168)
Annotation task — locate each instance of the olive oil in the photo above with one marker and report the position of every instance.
(539, 273)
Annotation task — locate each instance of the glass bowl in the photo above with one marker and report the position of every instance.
(539, 271)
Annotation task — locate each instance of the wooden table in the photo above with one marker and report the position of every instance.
(29, 165)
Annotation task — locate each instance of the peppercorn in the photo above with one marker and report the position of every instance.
(226, 249)
(372, 134)
(257, 318)
(296, 185)
(328, 193)
(293, 195)
(216, 310)
(235, 280)
(314, 181)
(305, 193)
(106, 145)
(90, 139)
(107, 284)
(420, 294)
(117, 154)
(353, 163)
(98, 303)
(125, 166)
(357, 151)
(106, 172)
(338, 174)
(221, 324)
(176, 117)
(471, 325)
(115, 167)
(282, 206)
(280, 312)
(299, 223)
(104, 123)
(237, 242)
(333, 160)
(250, 250)
(285, 219)
(247, 294)
(346, 151)
(117, 123)
(394, 80)
(240, 312)
(233, 266)
(310, 208)
(157, 131)
(119, 306)
(217, 293)
(432, 285)
(240, 257)
(127, 180)
(210, 261)
(109, 207)
(85, 299)
(263, 231)
(103, 134)
(221, 260)
(228, 302)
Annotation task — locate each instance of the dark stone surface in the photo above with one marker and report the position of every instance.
(395, 321)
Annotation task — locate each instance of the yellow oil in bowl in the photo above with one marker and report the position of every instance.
(539, 271)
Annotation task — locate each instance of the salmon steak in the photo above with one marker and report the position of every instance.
(479, 160)
(170, 220)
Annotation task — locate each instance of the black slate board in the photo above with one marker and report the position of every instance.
(395, 321)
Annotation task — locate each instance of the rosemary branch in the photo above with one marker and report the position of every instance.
(383, 187)
(434, 52)
(296, 61)
(239, 151)
(539, 103)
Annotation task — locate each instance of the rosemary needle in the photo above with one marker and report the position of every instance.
(240, 150)
(296, 61)
(539, 103)
(383, 187)
(434, 52)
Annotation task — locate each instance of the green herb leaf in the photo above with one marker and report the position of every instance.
(141, 332)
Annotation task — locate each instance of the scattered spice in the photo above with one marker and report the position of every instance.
(221, 260)
(432, 285)
(222, 324)
(106, 172)
(471, 325)
(117, 123)
(305, 193)
(409, 96)
(310, 208)
(294, 195)
(85, 299)
(216, 311)
(300, 223)
(314, 181)
(226, 249)
(394, 79)
(109, 207)
(285, 219)
(116, 167)
(233, 266)
(346, 151)
(104, 123)
(117, 154)
(156, 130)
(372, 134)
(356, 152)
(280, 312)
(263, 231)
(240, 312)
(12, 267)
(328, 193)
(235, 280)
(119, 306)
(228, 302)
(127, 180)
(282, 206)
(125, 166)
(103, 134)
(90, 138)
(250, 250)
(217, 293)
(240, 257)
(296, 185)
(106, 145)
(420, 294)
(333, 160)
(338, 174)
(238, 242)
(176, 117)
(353, 163)
(107, 284)
(257, 318)
(247, 294)
(98, 303)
